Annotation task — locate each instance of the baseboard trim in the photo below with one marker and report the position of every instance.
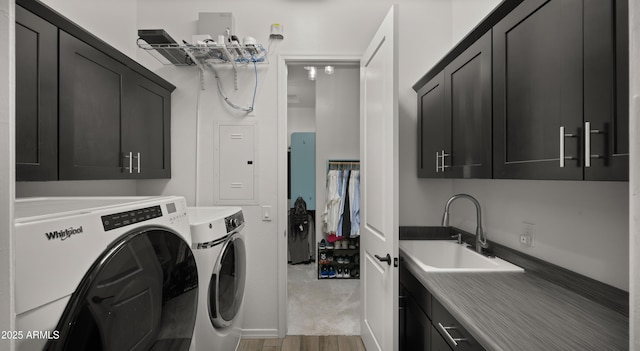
(259, 333)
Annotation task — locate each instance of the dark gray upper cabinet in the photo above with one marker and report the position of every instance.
(431, 122)
(84, 109)
(147, 133)
(555, 104)
(36, 97)
(554, 81)
(538, 89)
(606, 89)
(93, 103)
(113, 122)
(468, 111)
(454, 117)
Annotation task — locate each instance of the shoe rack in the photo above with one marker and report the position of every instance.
(339, 260)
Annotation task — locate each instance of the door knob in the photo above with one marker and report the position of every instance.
(384, 259)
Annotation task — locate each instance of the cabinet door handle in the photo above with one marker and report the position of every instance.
(437, 162)
(587, 143)
(130, 157)
(443, 155)
(445, 331)
(138, 157)
(562, 156)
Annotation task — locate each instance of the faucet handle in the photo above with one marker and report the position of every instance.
(457, 237)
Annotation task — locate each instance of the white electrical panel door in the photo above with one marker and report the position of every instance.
(235, 164)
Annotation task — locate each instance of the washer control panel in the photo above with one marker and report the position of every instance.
(234, 221)
(123, 219)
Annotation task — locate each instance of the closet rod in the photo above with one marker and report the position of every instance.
(355, 164)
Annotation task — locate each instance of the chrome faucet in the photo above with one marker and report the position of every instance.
(481, 238)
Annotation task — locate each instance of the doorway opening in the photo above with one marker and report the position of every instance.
(323, 117)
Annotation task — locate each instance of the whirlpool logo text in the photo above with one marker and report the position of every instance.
(63, 234)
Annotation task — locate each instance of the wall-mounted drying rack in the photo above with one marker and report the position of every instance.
(206, 55)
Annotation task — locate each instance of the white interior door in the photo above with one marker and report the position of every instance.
(379, 184)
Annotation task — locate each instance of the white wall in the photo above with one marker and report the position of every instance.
(420, 49)
(300, 120)
(113, 21)
(7, 166)
(337, 127)
(77, 188)
(310, 28)
(582, 226)
(467, 14)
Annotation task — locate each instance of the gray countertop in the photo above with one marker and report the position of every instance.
(520, 311)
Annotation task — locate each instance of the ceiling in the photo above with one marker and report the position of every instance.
(301, 92)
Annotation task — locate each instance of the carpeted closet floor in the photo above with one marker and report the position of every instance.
(321, 306)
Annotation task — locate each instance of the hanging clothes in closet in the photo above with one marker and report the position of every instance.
(341, 217)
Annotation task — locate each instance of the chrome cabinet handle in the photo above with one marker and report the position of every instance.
(444, 154)
(587, 143)
(130, 157)
(440, 159)
(561, 146)
(562, 136)
(445, 331)
(138, 157)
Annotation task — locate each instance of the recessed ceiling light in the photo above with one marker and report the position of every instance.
(312, 72)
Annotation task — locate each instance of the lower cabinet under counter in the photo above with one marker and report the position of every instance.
(425, 324)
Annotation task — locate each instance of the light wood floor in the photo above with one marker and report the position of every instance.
(304, 343)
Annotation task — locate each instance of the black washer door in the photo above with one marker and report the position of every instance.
(140, 295)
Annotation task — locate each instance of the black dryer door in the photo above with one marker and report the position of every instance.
(140, 295)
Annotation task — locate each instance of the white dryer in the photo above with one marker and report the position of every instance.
(104, 273)
(219, 249)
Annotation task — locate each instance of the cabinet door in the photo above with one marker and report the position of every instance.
(92, 101)
(606, 79)
(468, 111)
(538, 88)
(437, 341)
(147, 130)
(433, 130)
(451, 331)
(402, 319)
(36, 97)
(417, 326)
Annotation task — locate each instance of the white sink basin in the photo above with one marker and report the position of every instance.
(449, 256)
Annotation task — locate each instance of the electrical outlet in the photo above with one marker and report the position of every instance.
(526, 235)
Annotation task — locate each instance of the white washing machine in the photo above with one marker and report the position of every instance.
(104, 273)
(219, 249)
